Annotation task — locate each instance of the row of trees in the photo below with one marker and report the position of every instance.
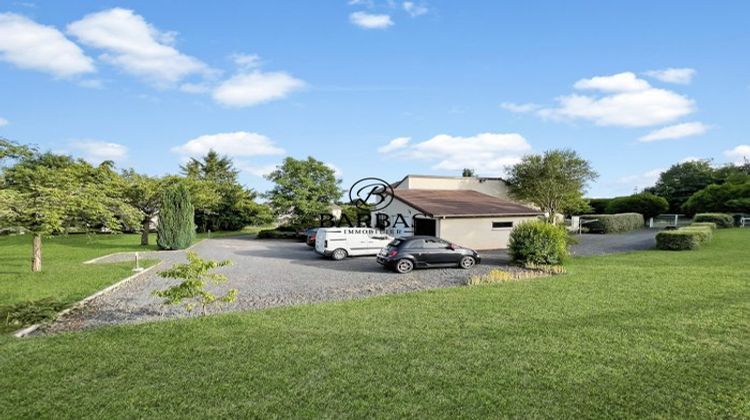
(45, 193)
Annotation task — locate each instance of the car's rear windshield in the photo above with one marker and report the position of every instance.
(396, 242)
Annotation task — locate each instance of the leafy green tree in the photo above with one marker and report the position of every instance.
(226, 204)
(554, 181)
(48, 194)
(682, 180)
(194, 275)
(730, 197)
(468, 172)
(176, 228)
(10, 150)
(304, 189)
(647, 204)
(144, 193)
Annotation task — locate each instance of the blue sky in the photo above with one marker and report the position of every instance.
(380, 88)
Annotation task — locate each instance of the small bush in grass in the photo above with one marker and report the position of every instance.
(546, 268)
(537, 242)
(22, 314)
(683, 239)
(615, 223)
(722, 220)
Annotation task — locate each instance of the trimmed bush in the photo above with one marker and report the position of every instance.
(711, 225)
(645, 203)
(615, 223)
(683, 239)
(722, 220)
(538, 242)
(176, 229)
(599, 205)
(276, 234)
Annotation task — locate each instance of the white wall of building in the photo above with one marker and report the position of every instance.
(392, 210)
(477, 232)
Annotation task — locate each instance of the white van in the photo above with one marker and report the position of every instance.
(339, 243)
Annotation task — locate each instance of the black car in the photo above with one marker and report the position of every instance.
(405, 254)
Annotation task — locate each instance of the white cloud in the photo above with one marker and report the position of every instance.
(395, 144)
(677, 131)
(682, 76)
(414, 9)
(30, 45)
(257, 170)
(370, 21)
(246, 61)
(739, 154)
(136, 46)
(195, 87)
(337, 172)
(625, 101)
(519, 108)
(240, 143)
(642, 180)
(621, 82)
(96, 151)
(3, 122)
(690, 159)
(91, 84)
(488, 153)
(248, 89)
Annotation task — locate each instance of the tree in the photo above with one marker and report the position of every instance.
(644, 203)
(48, 194)
(554, 181)
(468, 173)
(176, 228)
(10, 150)
(304, 189)
(682, 180)
(194, 276)
(730, 197)
(144, 193)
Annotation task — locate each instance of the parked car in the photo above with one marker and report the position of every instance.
(310, 234)
(406, 254)
(339, 243)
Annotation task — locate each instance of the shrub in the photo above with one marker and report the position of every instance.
(499, 276)
(722, 220)
(537, 242)
(682, 239)
(176, 228)
(276, 234)
(710, 225)
(645, 203)
(615, 223)
(22, 314)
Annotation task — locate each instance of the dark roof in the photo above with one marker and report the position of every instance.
(462, 203)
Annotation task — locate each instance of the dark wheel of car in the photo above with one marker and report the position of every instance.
(404, 266)
(338, 254)
(467, 262)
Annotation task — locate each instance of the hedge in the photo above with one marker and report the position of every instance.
(722, 220)
(538, 242)
(599, 205)
(644, 203)
(276, 234)
(683, 239)
(614, 223)
(711, 225)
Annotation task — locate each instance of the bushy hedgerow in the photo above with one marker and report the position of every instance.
(683, 239)
(538, 242)
(722, 220)
(711, 225)
(615, 223)
(276, 234)
(645, 203)
(598, 205)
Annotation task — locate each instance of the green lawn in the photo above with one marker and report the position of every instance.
(647, 334)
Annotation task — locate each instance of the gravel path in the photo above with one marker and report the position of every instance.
(267, 273)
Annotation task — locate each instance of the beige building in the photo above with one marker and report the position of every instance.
(470, 211)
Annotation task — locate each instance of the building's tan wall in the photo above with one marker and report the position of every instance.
(477, 232)
(492, 187)
(395, 207)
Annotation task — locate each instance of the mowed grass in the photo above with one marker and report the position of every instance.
(647, 334)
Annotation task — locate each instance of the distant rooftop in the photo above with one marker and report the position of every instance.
(467, 203)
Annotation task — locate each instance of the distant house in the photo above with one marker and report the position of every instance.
(470, 211)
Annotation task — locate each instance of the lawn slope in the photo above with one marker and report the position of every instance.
(644, 334)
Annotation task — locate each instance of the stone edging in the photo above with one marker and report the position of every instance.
(28, 330)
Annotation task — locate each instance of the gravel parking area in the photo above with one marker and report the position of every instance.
(267, 273)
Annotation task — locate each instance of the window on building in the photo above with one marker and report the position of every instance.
(502, 225)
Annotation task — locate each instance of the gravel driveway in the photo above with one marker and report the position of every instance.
(267, 273)
(270, 273)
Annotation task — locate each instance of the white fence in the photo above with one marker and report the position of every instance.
(664, 220)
